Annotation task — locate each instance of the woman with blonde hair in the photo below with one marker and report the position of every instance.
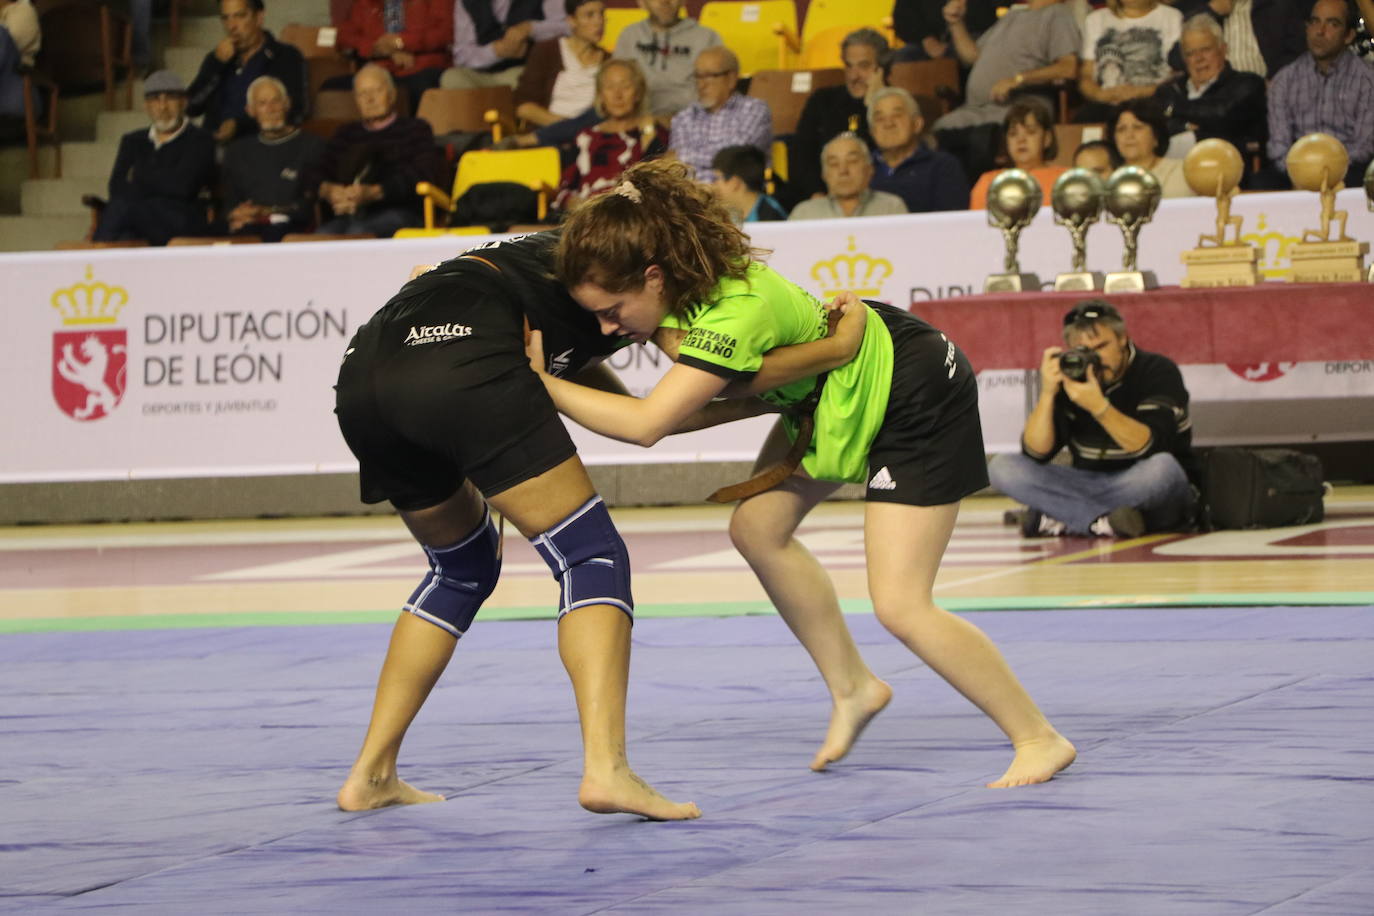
(659, 258)
(626, 134)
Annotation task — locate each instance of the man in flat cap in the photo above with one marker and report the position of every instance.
(159, 173)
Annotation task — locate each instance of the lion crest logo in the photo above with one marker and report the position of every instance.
(89, 362)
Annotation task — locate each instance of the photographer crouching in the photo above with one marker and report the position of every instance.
(1123, 413)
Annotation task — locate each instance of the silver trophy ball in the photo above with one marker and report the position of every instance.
(1368, 184)
(1014, 197)
(1132, 195)
(1077, 197)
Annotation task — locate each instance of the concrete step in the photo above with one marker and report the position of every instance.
(84, 159)
(111, 125)
(196, 32)
(40, 233)
(185, 60)
(60, 196)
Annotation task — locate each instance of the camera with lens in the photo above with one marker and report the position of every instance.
(1075, 361)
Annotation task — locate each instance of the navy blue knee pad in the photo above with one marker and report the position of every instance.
(589, 559)
(460, 578)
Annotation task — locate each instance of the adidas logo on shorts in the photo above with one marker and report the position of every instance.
(882, 480)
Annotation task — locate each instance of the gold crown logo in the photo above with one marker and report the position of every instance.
(1273, 250)
(854, 273)
(90, 303)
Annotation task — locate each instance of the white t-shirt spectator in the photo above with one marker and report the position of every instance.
(1133, 52)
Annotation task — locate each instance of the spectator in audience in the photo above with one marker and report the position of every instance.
(247, 51)
(925, 179)
(492, 39)
(1027, 50)
(160, 174)
(741, 172)
(1125, 53)
(847, 169)
(720, 117)
(666, 45)
(368, 170)
(1140, 133)
(1212, 99)
(1125, 423)
(1327, 89)
(1262, 36)
(1030, 145)
(265, 192)
(410, 38)
(833, 110)
(559, 79)
(926, 29)
(20, 39)
(1098, 157)
(626, 134)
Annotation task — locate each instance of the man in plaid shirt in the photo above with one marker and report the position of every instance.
(720, 117)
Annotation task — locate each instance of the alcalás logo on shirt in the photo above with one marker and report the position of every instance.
(435, 333)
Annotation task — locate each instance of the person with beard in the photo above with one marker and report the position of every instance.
(247, 51)
(159, 173)
(264, 175)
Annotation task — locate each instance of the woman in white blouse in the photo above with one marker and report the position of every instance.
(559, 79)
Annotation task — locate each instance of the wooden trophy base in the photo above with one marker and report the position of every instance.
(1327, 262)
(1083, 281)
(1011, 283)
(1130, 281)
(1225, 265)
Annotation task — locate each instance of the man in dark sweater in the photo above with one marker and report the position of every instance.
(265, 191)
(247, 51)
(368, 171)
(1212, 99)
(925, 179)
(159, 173)
(833, 110)
(1125, 422)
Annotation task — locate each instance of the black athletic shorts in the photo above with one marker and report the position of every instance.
(436, 388)
(929, 450)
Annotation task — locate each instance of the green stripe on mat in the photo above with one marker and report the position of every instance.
(720, 609)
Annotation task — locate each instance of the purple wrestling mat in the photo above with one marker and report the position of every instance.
(1226, 765)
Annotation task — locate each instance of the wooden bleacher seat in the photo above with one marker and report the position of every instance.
(754, 29)
(1071, 136)
(87, 43)
(326, 236)
(786, 92)
(471, 110)
(189, 240)
(37, 125)
(84, 244)
(938, 79)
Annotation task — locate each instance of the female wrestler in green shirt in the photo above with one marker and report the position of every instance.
(659, 258)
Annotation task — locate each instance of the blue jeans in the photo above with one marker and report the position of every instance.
(1157, 486)
(382, 223)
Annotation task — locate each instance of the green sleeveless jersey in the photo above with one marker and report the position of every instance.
(740, 320)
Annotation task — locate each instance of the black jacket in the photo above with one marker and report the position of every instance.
(206, 95)
(1232, 109)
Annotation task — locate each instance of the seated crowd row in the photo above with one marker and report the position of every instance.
(860, 147)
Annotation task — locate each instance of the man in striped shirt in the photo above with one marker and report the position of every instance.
(1328, 89)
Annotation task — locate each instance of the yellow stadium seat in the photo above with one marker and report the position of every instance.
(828, 14)
(754, 29)
(537, 168)
(617, 18)
(416, 233)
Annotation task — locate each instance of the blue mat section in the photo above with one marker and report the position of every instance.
(1225, 767)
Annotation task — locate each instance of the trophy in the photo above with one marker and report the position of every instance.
(1131, 199)
(1213, 168)
(1014, 198)
(1317, 162)
(1077, 201)
(1369, 192)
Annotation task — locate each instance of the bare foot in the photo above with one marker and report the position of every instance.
(848, 720)
(1037, 761)
(623, 792)
(360, 793)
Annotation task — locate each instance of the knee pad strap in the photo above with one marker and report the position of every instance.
(460, 578)
(588, 558)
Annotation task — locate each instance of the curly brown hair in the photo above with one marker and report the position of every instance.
(657, 215)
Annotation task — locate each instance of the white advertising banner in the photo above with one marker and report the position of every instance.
(219, 361)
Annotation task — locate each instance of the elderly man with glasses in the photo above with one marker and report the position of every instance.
(720, 117)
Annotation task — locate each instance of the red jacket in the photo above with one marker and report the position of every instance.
(428, 32)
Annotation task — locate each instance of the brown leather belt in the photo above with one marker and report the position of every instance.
(778, 471)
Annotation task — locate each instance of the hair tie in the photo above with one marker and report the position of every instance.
(627, 189)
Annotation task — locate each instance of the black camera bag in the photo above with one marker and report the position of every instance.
(1261, 488)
